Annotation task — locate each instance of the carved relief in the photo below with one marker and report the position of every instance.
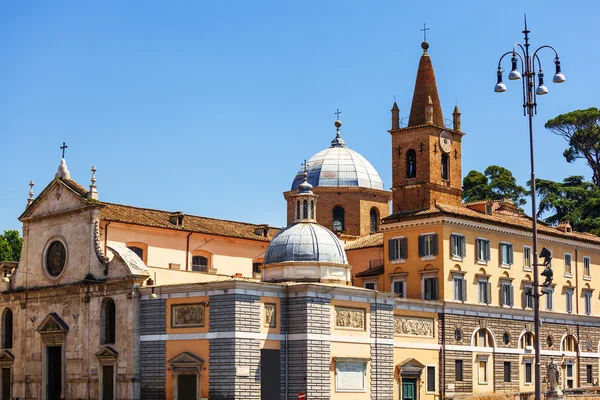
(413, 326)
(98, 245)
(353, 318)
(270, 315)
(187, 315)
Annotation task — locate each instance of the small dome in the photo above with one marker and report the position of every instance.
(338, 166)
(305, 241)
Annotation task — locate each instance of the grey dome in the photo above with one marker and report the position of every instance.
(305, 241)
(338, 166)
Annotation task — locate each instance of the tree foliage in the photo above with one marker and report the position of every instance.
(10, 246)
(572, 200)
(581, 130)
(496, 183)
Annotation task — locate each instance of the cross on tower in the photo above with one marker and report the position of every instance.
(63, 147)
(337, 113)
(305, 165)
(424, 30)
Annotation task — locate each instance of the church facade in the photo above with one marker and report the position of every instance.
(350, 301)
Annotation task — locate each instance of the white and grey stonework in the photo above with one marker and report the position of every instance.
(153, 321)
(382, 350)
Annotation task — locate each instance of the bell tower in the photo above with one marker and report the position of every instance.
(426, 154)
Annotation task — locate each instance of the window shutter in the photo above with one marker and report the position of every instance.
(510, 254)
(391, 249)
(524, 298)
(434, 294)
(464, 290)
(478, 247)
(501, 295)
(512, 296)
(434, 250)
(487, 251)
(489, 293)
(452, 244)
(403, 248)
(421, 245)
(463, 246)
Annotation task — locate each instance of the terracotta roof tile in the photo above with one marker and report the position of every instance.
(191, 223)
(373, 240)
(370, 272)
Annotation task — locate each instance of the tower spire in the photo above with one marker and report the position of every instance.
(425, 87)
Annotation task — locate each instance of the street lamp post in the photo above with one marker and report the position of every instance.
(528, 64)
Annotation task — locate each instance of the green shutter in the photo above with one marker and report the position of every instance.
(434, 294)
(392, 249)
(464, 290)
(489, 293)
(510, 254)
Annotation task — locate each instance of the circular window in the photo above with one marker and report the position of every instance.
(56, 258)
(458, 335)
(506, 338)
(550, 341)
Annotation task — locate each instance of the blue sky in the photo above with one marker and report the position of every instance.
(210, 107)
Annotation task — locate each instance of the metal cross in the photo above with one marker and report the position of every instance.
(63, 147)
(337, 113)
(421, 147)
(305, 165)
(424, 30)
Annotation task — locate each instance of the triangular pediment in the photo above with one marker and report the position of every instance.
(6, 356)
(53, 324)
(107, 352)
(185, 359)
(58, 196)
(410, 367)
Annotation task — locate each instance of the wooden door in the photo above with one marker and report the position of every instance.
(270, 374)
(6, 383)
(408, 389)
(53, 372)
(187, 387)
(108, 376)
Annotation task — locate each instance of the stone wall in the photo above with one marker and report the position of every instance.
(382, 354)
(153, 321)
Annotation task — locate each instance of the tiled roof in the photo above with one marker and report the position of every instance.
(373, 240)
(76, 187)
(191, 223)
(425, 87)
(370, 272)
(512, 220)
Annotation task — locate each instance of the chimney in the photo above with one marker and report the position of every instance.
(565, 227)
(176, 218)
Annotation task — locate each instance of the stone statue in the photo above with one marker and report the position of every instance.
(552, 375)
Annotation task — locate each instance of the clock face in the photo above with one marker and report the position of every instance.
(446, 141)
(56, 257)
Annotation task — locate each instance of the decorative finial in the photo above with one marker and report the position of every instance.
(425, 45)
(305, 187)
(305, 166)
(338, 141)
(93, 193)
(31, 185)
(63, 147)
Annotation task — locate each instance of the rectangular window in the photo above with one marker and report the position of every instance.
(549, 299)
(398, 249)
(483, 250)
(428, 245)
(586, 267)
(528, 296)
(507, 294)
(587, 302)
(350, 376)
(458, 246)
(458, 370)
(569, 300)
(430, 378)
(485, 291)
(569, 374)
(568, 264)
(589, 377)
(482, 371)
(399, 287)
(506, 371)
(430, 288)
(506, 254)
(370, 285)
(528, 372)
(527, 258)
(459, 287)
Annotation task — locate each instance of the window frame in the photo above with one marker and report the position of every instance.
(401, 281)
(587, 260)
(528, 362)
(458, 378)
(504, 372)
(427, 382)
(527, 264)
(428, 246)
(482, 359)
(107, 335)
(484, 283)
(458, 242)
(142, 246)
(587, 302)
(336, 218)
(374, 212)
(424, 286)
(399, 249)
(589, 373)
(509, 255)
(505, 283)
(456, 296)
(549, 299)
(8, 329)
(569, 273)
(527, 298)
(569, 300)
(486, 250)
(369, 283)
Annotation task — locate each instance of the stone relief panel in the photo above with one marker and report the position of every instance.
(350, 318)
(270, 315)
(407, 326)
(187, 315)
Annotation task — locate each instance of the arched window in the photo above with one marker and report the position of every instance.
(312, 209)
(569, 343)
(338, 219)
(483, 338)
(374, 220)
(527, 340)
(7, 329)
(109, 319)
(298, 209)
(199, 263)
(137, 250)
(411, 164)
(305, 209)
(445, 167)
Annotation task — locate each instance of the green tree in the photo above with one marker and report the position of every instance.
(496, 183)
(581, 130)
(572, 200)
(10, 246)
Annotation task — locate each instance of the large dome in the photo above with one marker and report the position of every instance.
(338, 166)
(305, 242)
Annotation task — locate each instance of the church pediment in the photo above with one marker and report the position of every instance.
(186, 359)
(53, 324)
(6, 356)
(58, 196)
(107, 352)
(410, 367)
